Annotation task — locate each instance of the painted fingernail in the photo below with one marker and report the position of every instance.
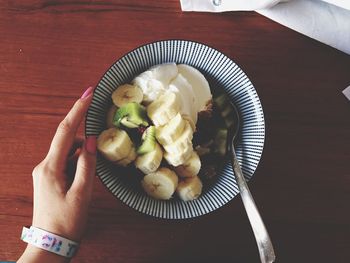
(87, 92)
(90, 144)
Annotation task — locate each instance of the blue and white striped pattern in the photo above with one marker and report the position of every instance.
(221, 72)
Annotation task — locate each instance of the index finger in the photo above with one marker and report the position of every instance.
(64, 137)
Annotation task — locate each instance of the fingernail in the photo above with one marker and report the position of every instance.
(90, 144)
(87, 92)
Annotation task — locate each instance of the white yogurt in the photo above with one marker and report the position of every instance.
(186, 82)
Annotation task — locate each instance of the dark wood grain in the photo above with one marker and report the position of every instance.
(50, 51)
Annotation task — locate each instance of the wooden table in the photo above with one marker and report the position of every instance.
(50, 51)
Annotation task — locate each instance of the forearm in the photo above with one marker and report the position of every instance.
(33, 254)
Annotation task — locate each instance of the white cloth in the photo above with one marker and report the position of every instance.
(225, 5)
(346, 93)
(327, 21)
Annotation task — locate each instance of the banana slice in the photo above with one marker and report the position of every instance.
(130, 158)
(163, 109)
(179, 158)
(190, 121)
(160, 184)
(149, 162)
(182, 143)
(127, 93)
(171, 131)
(110, 116)
(190, 168)
(114, 144)
(189, 189)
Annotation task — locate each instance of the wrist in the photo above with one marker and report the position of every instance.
(34, 254)
(60, 230)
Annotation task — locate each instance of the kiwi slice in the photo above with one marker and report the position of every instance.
(131, 115)
(226, 111)
(221, 101)
(220, 142)
(148, 143)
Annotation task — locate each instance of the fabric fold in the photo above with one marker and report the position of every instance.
(327, 21)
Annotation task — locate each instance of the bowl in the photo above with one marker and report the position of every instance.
(221, 73)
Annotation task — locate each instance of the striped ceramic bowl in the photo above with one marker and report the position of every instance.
(222, 73)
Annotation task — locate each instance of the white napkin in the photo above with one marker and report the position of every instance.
(346, 93)
(225, 5)
(327, 21)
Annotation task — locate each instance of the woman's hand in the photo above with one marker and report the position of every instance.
(61, 198)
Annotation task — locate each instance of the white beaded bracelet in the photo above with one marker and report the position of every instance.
(50, 242)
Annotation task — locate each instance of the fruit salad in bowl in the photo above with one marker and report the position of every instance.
(151, 127)
(160, 115)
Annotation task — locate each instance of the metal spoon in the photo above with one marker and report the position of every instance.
(267, 254)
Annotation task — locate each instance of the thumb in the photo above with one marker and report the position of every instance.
(86, 167)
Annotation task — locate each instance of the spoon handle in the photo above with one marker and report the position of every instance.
(267, 254)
